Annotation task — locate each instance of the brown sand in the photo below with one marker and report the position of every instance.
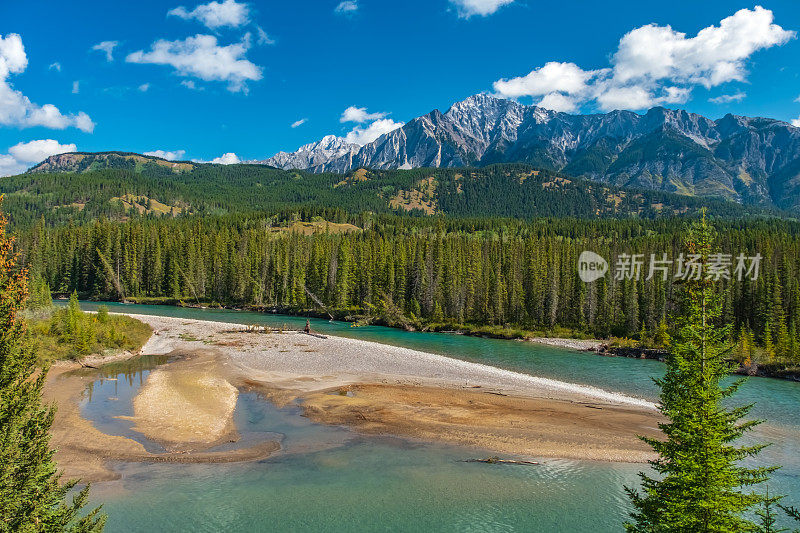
(482, 419)
(83, 451)
(187, 405)
(401, 392)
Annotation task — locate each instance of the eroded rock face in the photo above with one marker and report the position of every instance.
(749, 160)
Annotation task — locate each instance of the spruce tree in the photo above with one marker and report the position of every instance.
(700, 483)
(32, 497)
(767, 516)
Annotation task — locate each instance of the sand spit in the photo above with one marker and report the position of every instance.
(381, 389)
(282, 358)
(485, 419)
(84, 452)
(187, 405)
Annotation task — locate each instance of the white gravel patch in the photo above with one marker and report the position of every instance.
(341, 359)
(572, 344)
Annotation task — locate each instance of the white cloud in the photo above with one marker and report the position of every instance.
(263, 38)
(76, 87)
(200, 56)
(10, 166)
(716, 55)
(796, 122)
(738, 96)
(609, 96)
(362, 136)
(108, 48)
(655, 65)
(23, 155)
(226, 159)
(55, 66)
(168, 155)
(144, 87)
(16, 109)
(553, 77)
(797, 99)
(83, 122)
(348, 7)
(213, 15)
(37, 151)
(12, 55)
(560, 102)
(298, 123)
(189, 84)
(359, 114)
(468, 8)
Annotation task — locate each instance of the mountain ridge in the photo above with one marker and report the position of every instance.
(88, 161)
(750, 160)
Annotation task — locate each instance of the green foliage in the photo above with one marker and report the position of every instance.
(701, 480)
(767, 515)
(509, 190)
(40, 298)
(32, 495)
(69, 333)
(791, 512)
(482, 272)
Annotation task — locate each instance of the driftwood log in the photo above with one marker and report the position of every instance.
(497, 460)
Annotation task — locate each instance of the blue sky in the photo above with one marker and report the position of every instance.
(233, 77)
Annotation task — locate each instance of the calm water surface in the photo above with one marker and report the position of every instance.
(330, 479)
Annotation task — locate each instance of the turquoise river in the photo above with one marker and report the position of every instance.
(331, 479)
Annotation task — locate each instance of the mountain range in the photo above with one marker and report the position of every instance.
(753, 161)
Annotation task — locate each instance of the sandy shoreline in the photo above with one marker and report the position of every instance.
(187, 405)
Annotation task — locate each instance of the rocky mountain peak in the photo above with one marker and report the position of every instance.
(753, 160)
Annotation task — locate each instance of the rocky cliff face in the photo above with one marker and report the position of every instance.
(312, 154)
(749, 160)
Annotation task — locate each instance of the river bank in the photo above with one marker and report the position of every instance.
(370, 387)
(575, 340)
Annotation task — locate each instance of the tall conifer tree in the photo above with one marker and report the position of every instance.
(32, 497)
(701, 483)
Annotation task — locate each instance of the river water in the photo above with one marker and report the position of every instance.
(331, 479)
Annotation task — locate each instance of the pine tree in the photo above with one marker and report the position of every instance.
(700, 477)
(661, 336)
(769, 345)
(767, 516)
(40, 297)
(744, 346)
(32, 497)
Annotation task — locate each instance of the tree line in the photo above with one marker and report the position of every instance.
(439, 271)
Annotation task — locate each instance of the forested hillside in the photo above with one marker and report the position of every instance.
(507, 190)
(424, 271)
(490, 247)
